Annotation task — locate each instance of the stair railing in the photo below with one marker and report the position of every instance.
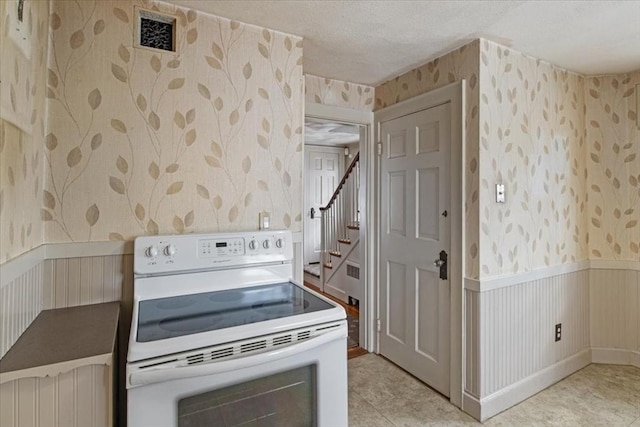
(341, 211)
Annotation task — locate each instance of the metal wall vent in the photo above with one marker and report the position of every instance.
(353, 271)
(157, 31)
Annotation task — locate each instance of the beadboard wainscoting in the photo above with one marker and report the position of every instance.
(615, 315)
(21, 302)
(472, 344)
(59, 276)
(90, 280)
(87, 280)
(511, 352)
(75, 398)
(522, 319)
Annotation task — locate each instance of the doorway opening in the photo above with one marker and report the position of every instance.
(331, 258)
(335, 205)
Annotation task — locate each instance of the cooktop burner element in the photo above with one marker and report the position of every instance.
(187, 325)
(226, 296)
(176, 303)
(170, 317)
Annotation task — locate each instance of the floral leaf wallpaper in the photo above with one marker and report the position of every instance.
(613, 145)
(532, 141)
(22, 91)
(144, 142)
(462, 63)
(322, 90)
(565, 146)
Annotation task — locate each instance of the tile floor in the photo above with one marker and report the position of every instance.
(383, 395)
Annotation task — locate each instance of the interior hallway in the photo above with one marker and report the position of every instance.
(383, 395)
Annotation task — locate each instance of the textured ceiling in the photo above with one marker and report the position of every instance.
(330, 134)
(369, 42)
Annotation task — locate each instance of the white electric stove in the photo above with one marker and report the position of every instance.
(221, 335)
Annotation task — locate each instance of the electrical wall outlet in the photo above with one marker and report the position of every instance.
(558, 332)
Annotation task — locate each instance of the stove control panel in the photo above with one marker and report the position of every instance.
(165, 254)
(211, 248)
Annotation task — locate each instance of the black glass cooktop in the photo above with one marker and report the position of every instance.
(190, 314)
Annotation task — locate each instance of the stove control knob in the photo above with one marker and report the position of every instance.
(169, 250)
(151, 252)
(280, 243)
(253, 245)
(266, 244)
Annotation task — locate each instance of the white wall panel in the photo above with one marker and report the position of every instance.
(21, 302)
(472, 340)
(516, 332)
(78, 398)
(48, 401)
(90, 280)
(615, 307)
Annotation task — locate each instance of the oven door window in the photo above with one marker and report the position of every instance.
(284, 399)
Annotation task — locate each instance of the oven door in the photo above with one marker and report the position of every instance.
(304, 384)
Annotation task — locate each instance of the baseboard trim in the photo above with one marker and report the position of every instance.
(471, 405)
(515, 393)
(615, 356)
(503, 399)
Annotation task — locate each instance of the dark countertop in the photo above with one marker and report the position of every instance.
(63, 335)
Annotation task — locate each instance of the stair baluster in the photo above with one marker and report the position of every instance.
(341, 212)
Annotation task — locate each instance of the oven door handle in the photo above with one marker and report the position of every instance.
(168, 372)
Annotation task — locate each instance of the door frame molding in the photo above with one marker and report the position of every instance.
(367, 232)
(455, 95)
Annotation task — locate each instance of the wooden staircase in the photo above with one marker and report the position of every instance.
(340, 221)
(343, 247)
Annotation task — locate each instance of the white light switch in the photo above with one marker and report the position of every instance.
(264, 220)
(499, 193)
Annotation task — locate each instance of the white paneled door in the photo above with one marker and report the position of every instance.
(414, 229)
(323, 171)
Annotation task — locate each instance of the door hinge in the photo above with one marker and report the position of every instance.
(378, 325)
(379, 148)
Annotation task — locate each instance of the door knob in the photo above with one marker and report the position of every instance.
(313, 213)
(439, 263)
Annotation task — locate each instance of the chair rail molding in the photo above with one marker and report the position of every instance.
(492, 283)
